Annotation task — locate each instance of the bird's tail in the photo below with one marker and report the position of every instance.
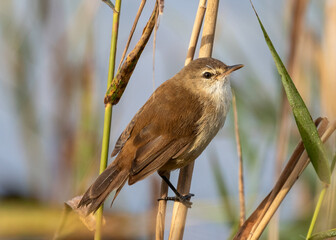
(112, 178)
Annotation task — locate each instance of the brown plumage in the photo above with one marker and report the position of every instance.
(173, 127)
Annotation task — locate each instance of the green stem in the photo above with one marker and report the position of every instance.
(316, 212)
(319, 203)
(108, 112)
(103, 164)
(114, 39)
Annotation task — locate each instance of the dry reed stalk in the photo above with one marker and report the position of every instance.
(301, 165)
(142, 4)
(285, 126)
(208, 34)
(184, 182)
(160, 219)
(161, 213)
(119, 82)
(240, 168)
(326, 61)
(196, 31)
(157, 21)
(291, 166)
(180, 210)
(255, 218)
(299, 160)
(153, 211)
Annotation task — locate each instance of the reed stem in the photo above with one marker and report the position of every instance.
(108, 112)
(185, 176)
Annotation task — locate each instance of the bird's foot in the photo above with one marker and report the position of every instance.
(185, 199)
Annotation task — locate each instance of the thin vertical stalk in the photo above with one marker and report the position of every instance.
(319, 202)
(161, 213)
(142, 4)
(326, 59)
(185, 176)
(316, 212)
(108, 111)
(240, 169)
(208, 34)
(196, 31)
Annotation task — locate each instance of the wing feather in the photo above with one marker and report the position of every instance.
(154, 155)
(125, 135)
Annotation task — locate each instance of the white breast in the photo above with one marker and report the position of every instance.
(216, 108)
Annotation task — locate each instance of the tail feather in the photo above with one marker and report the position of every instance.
(112, 178)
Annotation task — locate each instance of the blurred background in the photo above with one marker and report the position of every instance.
(53, 73)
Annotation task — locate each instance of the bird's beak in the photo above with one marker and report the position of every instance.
(229, 70)
(232, 68)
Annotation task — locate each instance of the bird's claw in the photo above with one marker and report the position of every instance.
(185, 199)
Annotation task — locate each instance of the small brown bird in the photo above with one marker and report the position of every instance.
(171, 130)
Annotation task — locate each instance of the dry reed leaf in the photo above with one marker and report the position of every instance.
(88, 220)
(142, 4)
(264, 209)
(111, 5)
(119, 83)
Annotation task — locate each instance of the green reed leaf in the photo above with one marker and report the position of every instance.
(304, 122)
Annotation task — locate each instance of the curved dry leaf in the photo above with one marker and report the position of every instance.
(119, 83)
(88, 220)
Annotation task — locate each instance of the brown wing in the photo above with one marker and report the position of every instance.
(124, 136)
(153, 155)
(160, 131)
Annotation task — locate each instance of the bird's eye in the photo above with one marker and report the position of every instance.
(207, 75)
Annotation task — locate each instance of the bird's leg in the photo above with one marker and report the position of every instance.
(185, 199)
